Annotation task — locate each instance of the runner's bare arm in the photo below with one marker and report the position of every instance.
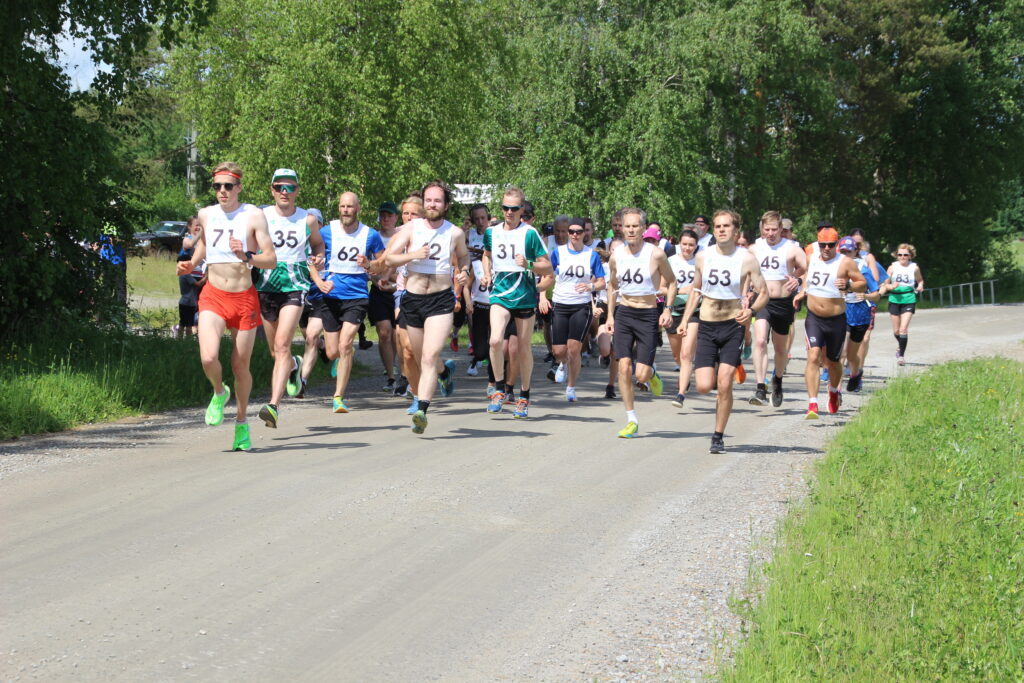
(667, 276)
(316, 241)
(756, 284)
(613, 287)
(460, 252)
(266, 257)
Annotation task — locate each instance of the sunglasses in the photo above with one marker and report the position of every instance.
(575, 232)
(902, 254)
(510, 208)
(285, 187)
(227, 186)
(826, 245)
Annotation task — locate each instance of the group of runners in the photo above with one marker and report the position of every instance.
(719, 298)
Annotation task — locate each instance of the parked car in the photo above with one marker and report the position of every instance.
(164, 237)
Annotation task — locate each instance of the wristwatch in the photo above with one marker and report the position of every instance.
(249, 255)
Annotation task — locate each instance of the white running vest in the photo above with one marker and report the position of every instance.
(683, 269)
(346, 248)
(903, 276)
(821, 277)
(572, 270)
(481, 294)
(505, 244)
(722, 275)
(288, 233)
(634, 271)
(773, 261)
(439, 243)
(474, 240)
(220, 228)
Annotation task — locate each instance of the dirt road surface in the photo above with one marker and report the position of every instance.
(343, 547)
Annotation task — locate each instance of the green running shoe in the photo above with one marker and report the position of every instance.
(629, 431)
(339, 405)
(294, 382)
(657, 386)
(268, 413)
(242, 442)
(419, 422)
(215, 411)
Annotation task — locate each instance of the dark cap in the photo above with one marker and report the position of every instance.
(701, 217)
(388, 207)
(825, 224)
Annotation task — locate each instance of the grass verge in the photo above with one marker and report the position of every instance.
(56, 379)
(906, 561)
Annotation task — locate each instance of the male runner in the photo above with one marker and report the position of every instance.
(721, 271)
(702, 226)
(232, 234)
(830, 276)
(282, 291)
(782, 264)
(351, 249)
(381, 311)
(578, 274)
(558, 238)
(427, 247)
(513, 253)
(635, 271)
(309, 322)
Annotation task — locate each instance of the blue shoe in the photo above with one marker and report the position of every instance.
(413, 407)
(334, 368)
(497, 401)
(824, 374)
(522, 409)
(447, 386)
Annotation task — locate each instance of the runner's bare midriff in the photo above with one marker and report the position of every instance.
(717, 310)
(777, 289)
(425, 283)
(638, 300)
(825, 308)
(230, 277)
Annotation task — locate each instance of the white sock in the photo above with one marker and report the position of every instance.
(812, 399)
(631, 416)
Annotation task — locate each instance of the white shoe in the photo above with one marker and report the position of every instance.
(560, 373)
(570, 394)
(471, 370)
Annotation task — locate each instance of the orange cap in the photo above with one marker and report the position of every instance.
(828, 235)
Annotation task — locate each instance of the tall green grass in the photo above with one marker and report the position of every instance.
(55, 379)
(907, 562)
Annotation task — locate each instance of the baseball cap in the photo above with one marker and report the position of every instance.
(847, 243)
(828, 234)
(316, 212)
(285, 173)
(388, 207)
(652, 233)
(825, 224)
(701, 217)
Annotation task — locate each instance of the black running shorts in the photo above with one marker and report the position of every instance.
(779, 313)
(636, 326)
(570, 321)
(271, 303)
(382, 306)
(857, 332)
(900, 309)
(416, 308)
(334, 312)
(826, 333)
(719, 342)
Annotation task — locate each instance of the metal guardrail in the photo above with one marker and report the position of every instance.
(949, 294)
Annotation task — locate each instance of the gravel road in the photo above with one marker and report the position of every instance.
(343, 547)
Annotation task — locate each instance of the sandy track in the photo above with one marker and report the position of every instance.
(343, 547)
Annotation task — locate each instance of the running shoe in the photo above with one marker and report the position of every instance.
(215, 411)
(497, 400)
(242, 441)
(419, 422)
(605, 361)
(776, 391)
(717, 444)
(560, 373)
(835, 399)
(748, 350)
(812, 411)
(741, 374)
(609, 391)
(339, 405)
(585, 359)
(643, 386)
(334, 368)
(268, 413)
(302, 389)
(294, 379)
(365, 344)
(550, 358)
(679, 401)
(570, 394)
(551, 374)
(522, 409)
(447, 386)
(389, 388)
(856, 382)
(900, 360)
(657, 386)
(510, 398)
(760, 397)
(490, 390)
(413, 407)
(824, 374)
(629, 431)
(402, 385)
(454, 345)
(471, 370)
